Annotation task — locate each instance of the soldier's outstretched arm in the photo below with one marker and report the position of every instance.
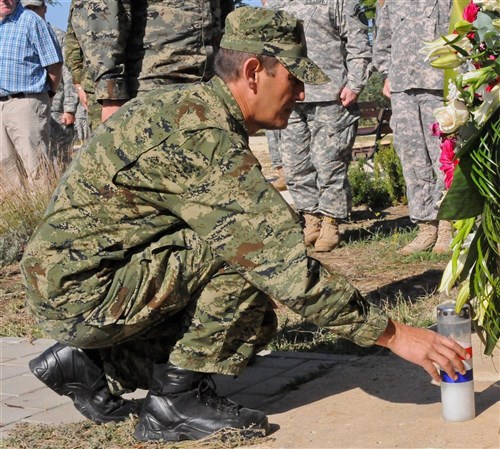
(425, 348)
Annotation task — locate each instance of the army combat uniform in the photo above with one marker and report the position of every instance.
(73, 58)
(416, 90)
(65, 100)
(316, 145)
(164, 230)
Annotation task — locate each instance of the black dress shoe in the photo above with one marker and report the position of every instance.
(183, 405)
(70, 372)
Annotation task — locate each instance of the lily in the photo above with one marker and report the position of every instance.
(441, 46)
(491, 5)
(478, 77)
(491, 101)
(448, 61)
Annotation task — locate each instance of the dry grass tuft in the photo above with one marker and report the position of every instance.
(87, 435)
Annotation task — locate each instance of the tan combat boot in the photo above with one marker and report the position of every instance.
(329, 237)
(280, 183)
(426, 238)
(312, 228)
(444, 238)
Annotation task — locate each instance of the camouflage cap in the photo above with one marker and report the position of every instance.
(274, 33)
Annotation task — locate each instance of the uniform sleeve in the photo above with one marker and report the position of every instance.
(103, 29)
(358, 48)
(70, 93)
(73, 57)
(382, 43)
(227, 201)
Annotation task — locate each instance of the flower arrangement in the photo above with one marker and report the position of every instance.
(469, 130)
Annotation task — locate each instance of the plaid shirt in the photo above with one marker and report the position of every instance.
(27, 47)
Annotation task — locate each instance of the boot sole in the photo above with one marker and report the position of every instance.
(181, 432)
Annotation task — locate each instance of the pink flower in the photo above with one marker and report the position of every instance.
(436, 130)
(470, 12)
(448, 161)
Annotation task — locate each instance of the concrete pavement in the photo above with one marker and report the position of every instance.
(312, 400)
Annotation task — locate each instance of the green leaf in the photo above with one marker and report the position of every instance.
(463, 199)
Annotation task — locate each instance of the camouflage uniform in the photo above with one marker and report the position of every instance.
(132, 47)
(82, 128)
(273, 141)
(73, 58)
(163, 240)
(65, 100)
(416, 90)
(316, 145)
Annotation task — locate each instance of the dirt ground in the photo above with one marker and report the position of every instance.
(376, 270)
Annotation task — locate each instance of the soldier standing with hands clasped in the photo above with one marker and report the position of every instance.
(120, 49)
(415, 89)
(316, 147)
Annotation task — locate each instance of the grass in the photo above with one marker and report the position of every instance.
(87, 435)
(21, 210)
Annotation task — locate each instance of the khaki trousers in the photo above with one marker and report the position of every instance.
(24, 140)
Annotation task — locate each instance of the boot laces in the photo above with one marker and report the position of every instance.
(207, 394)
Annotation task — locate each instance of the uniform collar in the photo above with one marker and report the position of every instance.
(222, 90)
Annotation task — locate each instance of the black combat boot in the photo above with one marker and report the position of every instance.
(70, 372)
(183, 405)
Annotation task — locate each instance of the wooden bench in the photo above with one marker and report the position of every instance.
(374, 121)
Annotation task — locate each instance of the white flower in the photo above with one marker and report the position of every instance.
(440, 47)
(453, 92)
(491, 101)
(491, 5)
(452, 116)
(451, 273)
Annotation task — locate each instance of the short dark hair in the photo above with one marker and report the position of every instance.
(228, 63)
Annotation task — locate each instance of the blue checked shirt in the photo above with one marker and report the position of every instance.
(27, 47)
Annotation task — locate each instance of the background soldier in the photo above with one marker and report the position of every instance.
(73, 58)
(127, 48)
(164, 244)
(415, 89)
(64, 107)
(317, 144)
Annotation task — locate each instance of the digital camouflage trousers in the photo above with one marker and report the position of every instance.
(205, 318)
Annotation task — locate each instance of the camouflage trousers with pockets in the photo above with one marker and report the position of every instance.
(188, 308)
(316, 149)
(418, 150)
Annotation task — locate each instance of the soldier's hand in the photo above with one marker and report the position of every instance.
(425, 348)
(386, 90)
(348, 96)
(82, 96)
(68, 118)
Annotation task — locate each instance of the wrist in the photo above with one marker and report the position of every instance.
(387, 337)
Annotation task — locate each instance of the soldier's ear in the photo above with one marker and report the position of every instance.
(251, 72)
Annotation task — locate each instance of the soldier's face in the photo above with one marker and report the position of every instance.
(279, 93)
(7, 7)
